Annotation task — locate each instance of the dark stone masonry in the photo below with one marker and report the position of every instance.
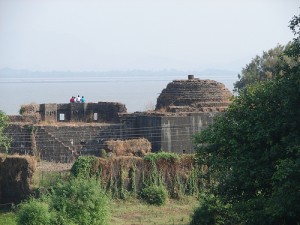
(194, 95)
(62, 132)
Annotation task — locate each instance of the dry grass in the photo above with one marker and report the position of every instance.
(16, 173)
(134, 147)
(53, 166)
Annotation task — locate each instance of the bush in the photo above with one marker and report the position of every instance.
(80, 201)
(33, 212)
(155, 195)
(77, 201)
(211, 212)
(83, 166)
(162, 155)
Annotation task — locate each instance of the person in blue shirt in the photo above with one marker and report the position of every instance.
(82, 99)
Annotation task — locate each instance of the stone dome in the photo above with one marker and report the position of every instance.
(193, 95)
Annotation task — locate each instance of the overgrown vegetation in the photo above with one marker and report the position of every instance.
(253, 150)
(134, 211)
(162, 155)
(211, 211)
(77, 201)
(83, 166)
(34, 211)
(4, 140)
(124, 177)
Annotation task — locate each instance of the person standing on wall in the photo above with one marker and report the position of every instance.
(72, 100)
(78, 99)
(82, 99)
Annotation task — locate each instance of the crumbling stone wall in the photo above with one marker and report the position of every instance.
(49, 112)
(84, 139)
(15, 178)
(20, 134)
(23, 119)
(62, 143)
(194, 95)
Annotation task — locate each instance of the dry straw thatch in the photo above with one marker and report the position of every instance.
(15, 177)
(129, 173)
(133, 147)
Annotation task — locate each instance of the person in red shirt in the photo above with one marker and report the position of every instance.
(72, 100)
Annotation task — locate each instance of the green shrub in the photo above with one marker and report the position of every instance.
(83, 166)
(161, 155)
(155, 195)
(212, 212)
(80, 201)
(33, 212)
(77, 201)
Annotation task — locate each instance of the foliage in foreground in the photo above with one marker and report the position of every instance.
(34, 212)
(211, 211)
(253, 150)
(77, 201)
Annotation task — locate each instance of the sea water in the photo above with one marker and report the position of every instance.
(137, 92)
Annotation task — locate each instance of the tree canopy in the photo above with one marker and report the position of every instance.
(253, 150)
(4, 140)
(265, 67)
(272, 63)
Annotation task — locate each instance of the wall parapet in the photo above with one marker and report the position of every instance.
(100, 112)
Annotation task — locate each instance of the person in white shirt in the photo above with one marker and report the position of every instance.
(78, 99)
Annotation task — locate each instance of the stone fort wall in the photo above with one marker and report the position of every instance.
(184, 108)
(101, 112)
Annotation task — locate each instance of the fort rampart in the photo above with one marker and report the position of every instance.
(62, 132)
(75, 112)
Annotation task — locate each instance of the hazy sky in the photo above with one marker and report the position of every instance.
(99, 35)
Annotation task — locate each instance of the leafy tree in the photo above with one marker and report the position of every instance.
(265, 67)
(295, 27)
(4, 140)
(211, 212)
(253, 150)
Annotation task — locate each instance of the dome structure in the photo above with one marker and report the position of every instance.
(193, 95)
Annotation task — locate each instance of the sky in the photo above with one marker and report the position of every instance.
(101, 35)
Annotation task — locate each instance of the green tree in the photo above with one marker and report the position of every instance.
(4, 140)
(265, 67)
(253, 150)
